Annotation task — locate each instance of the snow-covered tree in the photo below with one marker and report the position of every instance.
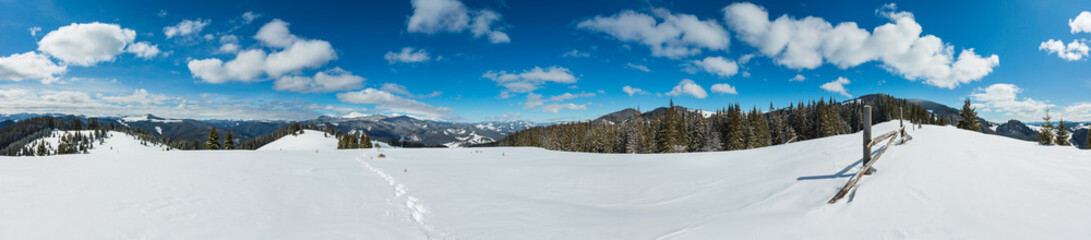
(213, 140)
(1045, 134)
(229, 141)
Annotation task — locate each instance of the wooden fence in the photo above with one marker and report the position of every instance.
(869, 160)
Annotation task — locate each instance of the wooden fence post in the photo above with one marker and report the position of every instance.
(867, 135)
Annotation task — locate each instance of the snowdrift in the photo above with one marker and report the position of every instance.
(946, 183)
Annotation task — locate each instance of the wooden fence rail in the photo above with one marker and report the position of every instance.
(870, 160)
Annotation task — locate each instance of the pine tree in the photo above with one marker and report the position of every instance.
(1061, 138)
(1088, 142)
(229, 141)
(213, 140)
(968, 117)
(1045, 134)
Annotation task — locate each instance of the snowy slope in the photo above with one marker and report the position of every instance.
(946, 183)
(115, 142)
(310, 140)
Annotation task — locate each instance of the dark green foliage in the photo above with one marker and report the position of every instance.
(213, 140)
(1045, 133)
(968, 117)
(229, 141)
(1061, 137)
(679, 130)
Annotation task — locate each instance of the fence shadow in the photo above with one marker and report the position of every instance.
(844, 172)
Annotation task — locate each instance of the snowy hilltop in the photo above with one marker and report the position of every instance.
(946, 183)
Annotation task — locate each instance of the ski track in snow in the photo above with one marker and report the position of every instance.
(416, 211)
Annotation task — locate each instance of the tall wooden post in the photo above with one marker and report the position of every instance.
(867, 134)
(900, 121)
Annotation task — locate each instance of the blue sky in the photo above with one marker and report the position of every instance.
(535, 60)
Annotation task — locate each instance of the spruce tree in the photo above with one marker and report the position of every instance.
(968, 117)
(1088, 142)
(229, 141)
(213, 140)
(1061, 138)
(1045, 133)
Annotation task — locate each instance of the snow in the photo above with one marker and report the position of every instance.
(159, 130)
(945, 184)
(310, 140)
(356, 115)
(115, 142)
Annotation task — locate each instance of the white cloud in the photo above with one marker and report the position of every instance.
(248, 17)
(34, 31)
(798, 78)
(837, 86)
(533, 100)
(30, 65)
(745, 58)
(143, 50)
(393, 103)
(162, 13)
(668, 35)
(809, 42)
(276, 34)
(249, 65)
(576, 54)
(1076, 50)
(1002, 98)
(186, 28)
(633, 91)
(139, 97)
(530, 80)
(718, 66)
(642, 68)
(688, 87)
(230, 44)
(1082, 23)
(433, 16)
(1078, 112)
(84, 44)
(556, 107)
(407, 55)
(332, 80)
(399, 89)
(723, 88)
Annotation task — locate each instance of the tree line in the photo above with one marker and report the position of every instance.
(731, 128)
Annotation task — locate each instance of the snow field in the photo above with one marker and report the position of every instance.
(946, 183)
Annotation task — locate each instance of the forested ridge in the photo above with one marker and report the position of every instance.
(730, 128)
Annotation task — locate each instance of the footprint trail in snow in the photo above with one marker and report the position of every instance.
(417, 212)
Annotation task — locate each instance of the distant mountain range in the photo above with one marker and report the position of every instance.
(453, 134)
(379, 127)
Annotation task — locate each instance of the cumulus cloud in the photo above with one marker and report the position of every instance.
(717, 66)
(837, 86)
(332, 80)
(295, 54)
(407, 55)
(723, 88)
(530, 80)
(1082, 23)
(633, 91)
(84, 44)
(393, 103)
(186, 28)
(642, 68)
(143, 50)
(30, 66)
(668, 35)
(1075, 50)
(569, 96)
(1078, 112)
(809, 42)
(434, 16)
(688, 87)
(399, 89)
(1002, 98)
(230, 44)
(798, 78)
(535, 100)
